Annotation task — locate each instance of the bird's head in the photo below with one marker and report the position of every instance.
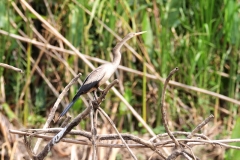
(130, 35)
(127, 37)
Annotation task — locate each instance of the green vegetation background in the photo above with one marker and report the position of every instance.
(201, 37)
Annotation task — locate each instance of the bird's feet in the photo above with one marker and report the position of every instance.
(95, 95)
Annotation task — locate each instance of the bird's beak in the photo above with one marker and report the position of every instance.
(138, 33)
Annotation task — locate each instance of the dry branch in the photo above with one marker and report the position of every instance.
(11, 67)
(93, 131)
(200, 126)
(113, 125)
(61, 134)
(181, 144)
(141, 143)
(55, 107)
(66, 129)
(163, 110)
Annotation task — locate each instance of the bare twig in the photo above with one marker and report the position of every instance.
(11, 67)
(192, 154)
(64, 92)
(55, 107)
(199, 127)
(198, 141)
(174, 155)
(28, 146)
(98, 101)
(88, 135)
(187, 156)
(49, 12)
(178, 133)
(62, 133)
(66, 121)
(105, 91)
(68, 128)
(113, 125)
(163, 110)
(93, 131)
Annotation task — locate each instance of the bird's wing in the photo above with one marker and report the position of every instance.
(93, 79)
(89, 84)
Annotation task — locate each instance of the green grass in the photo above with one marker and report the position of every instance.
(198, 36)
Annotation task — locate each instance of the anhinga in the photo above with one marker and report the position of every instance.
(101, 74)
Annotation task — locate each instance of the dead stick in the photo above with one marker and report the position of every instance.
(11, 67)
(94, 132)
(113, 125)
(163, 109)
(55, 107)
(200, 126)
(62, 133)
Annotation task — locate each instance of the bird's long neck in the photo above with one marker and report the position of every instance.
(116, 51)
(116, 58)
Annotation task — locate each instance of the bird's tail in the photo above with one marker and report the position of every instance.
(75, 98)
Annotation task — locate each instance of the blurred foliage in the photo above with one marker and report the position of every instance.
(198, 36)
(231, 154)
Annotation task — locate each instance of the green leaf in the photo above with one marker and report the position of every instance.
(232, 153)
(148, 36)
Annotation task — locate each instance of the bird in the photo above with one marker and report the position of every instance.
(101, 74)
